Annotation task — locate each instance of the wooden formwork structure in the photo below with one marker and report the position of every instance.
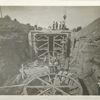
(47, 44)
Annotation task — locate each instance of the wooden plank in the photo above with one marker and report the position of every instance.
(44, 91)
(38, 87)
(12, 86)
(61, 91)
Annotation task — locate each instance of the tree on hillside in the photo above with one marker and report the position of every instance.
(28, 24)
(7, 17)
(77, 29)
(15, 20)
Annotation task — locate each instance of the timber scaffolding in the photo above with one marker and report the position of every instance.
(52, 42)
(47, 86)
(47, 43)
(50, 83)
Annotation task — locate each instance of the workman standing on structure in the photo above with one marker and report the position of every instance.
(54, 25)
(60, 26)
(63, 25)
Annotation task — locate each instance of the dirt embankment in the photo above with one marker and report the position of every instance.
(13, 47)
(87, 55)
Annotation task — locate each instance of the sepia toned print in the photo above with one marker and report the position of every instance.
(49, 50)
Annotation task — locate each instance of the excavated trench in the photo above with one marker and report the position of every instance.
(86, 49)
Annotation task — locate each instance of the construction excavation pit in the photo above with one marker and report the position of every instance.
(49, 61)
(50, 72)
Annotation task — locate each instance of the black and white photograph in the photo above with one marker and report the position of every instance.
(49, 50)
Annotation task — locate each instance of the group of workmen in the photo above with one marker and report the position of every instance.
(58, 25)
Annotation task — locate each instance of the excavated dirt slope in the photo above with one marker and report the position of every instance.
(87, 55)
(13, 47)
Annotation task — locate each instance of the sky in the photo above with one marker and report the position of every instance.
(45, 15)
